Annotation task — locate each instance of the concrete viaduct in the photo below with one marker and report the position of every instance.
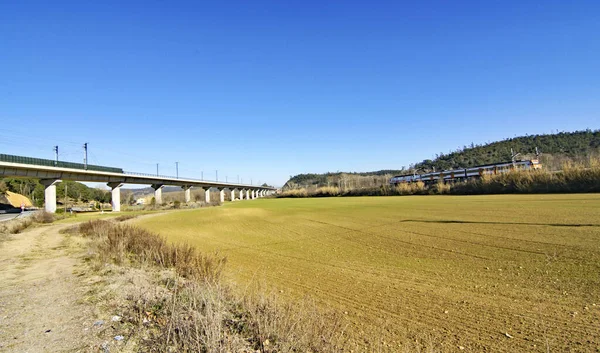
(49, 176)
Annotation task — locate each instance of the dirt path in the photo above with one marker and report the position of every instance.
(40, 294)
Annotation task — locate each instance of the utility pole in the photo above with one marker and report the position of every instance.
(226, 178)
(85, 158)
(513, 157)
(202, 175)
(56, 156)
(156, 169)
(217, 175)
(177, 169)
(238, 179)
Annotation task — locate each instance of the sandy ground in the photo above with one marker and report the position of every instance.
(40, 295)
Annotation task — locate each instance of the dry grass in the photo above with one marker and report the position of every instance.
(121, 243)
(328, 191)
(299, 326)
(125, 217)
(43, 217)
(15, 226)
(20, 224)
(294, 193)
(190, 309)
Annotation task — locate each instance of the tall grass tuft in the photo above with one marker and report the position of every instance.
(120, 243)
(293, 193)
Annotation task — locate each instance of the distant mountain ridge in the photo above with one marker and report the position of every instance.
(553, 147)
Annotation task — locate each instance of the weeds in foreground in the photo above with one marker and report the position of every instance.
(125, 217)
(119, 243)
(19, 224)
(193, 311)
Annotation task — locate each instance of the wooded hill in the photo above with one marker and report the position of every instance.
(555, 149)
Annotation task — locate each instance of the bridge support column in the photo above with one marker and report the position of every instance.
(207, 195)
(49, 194)
(187, 190)
(158, 193)
(253, 194)
(241, 194)
(247, 194)
(116, 196)
(232, 194)
(222, 195)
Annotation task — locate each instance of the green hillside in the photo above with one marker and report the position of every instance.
(567, 144)
(554, 148)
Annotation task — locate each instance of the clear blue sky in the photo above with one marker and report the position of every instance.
(269, 89)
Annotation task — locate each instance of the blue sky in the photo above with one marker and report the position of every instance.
(269, 89)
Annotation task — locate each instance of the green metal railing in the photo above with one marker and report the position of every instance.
(50, 163)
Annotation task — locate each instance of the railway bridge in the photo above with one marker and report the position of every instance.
(51, 172)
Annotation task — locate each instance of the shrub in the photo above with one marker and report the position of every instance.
(43, 217)
(440, 188)
(124, 217)
(123, 242)
(294, 193)
(327, 191)
(15, 226)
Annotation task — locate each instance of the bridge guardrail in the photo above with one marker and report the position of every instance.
(185, 178)
(60, 164)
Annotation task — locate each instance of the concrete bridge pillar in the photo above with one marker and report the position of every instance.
(158, 193)
(253, 194)
(247, 194)
(187, 189)
(207, 194)
(222, 195)
(232, 194)
(116, 196)
(49, 194)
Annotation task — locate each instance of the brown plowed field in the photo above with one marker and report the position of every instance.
(474, 273)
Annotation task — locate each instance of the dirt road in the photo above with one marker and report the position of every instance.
(40, 294)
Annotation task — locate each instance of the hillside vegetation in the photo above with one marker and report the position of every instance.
(33, 190)
(556, 149)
